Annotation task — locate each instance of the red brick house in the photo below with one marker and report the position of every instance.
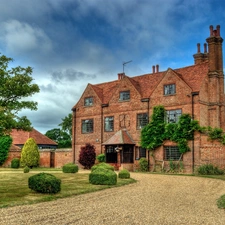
(110, 115)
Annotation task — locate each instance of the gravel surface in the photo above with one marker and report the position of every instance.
(154, 199)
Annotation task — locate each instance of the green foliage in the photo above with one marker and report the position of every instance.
(70, 168)
(44, 183)
(101, 157)
(124, 174)
(61, 137)
(152, 134)
(143, 164)
(15, 85)
(102, 165)
(67, 124)
(30, 155)
(15, 163)
(221, 202)
(5, 143)
(26, 169)
(103, 177)
(87, 156)
(209, 169)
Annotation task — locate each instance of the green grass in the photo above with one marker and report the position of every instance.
(14, 186)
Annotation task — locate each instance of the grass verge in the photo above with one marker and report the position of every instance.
(14, 186)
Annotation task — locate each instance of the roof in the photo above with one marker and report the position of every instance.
(146, 84)
(119, 138)
(21, 136)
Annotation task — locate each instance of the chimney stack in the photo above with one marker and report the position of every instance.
(153, 69)
(121, 76)
(201, 57)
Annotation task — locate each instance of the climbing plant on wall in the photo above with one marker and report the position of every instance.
(153, 134)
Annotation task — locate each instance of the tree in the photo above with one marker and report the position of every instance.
(15, 86)
(67, 124)
(87, 156)
(62, 138)
(5, 143)
(30, 155)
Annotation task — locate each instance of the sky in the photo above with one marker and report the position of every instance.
(70, 43)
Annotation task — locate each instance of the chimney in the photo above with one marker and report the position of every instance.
(153, 69)
(157, 68)
(198, 57)
(215, 55)
(121, 76)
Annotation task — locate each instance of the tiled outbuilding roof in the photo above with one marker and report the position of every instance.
(21, 136)
(119, 138)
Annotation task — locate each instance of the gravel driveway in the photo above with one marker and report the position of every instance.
(154, 199)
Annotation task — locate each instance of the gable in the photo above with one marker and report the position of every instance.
(91, 91)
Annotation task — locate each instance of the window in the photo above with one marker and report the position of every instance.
(142, 120)
(128, 154)
(87, 126)
(169, 89)
(172, 116)
(142, 153)
(171, 153)
(124, 95)
(109, 123)
(88, 101)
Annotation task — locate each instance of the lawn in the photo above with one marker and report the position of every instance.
(14, 186)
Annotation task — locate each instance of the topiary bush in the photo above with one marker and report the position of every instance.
(44, 183)
(101, 158)
(70, 168)
(124, 174)
(15, 163)
(102, 165)
(103, 177)
(143, 163)
(209, 169)
(30, 155)
(26, 169)
(87, 156)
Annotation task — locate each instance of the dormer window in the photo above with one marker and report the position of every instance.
(88, 101)
(124, 95)
(169, 89)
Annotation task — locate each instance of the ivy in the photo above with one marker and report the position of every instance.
(5, 143)
(153, 134)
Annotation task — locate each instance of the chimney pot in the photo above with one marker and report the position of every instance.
(205, 48)
(218, 30)
(153, 69)
(211, 30)
(198, 48)
(157, 68)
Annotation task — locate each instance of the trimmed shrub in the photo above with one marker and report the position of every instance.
(143, 163)
(26, 169)
(209, 169)
(101, 158)
(15, 163)
(87, 156)
(30, 155)
(44, 183)
(70, 168)
(221, 202)
(103, 177)
(103, 166)
(124, 174)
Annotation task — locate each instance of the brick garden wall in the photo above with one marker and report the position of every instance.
(61, 157)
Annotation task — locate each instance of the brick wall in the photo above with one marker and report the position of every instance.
(61, 157)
